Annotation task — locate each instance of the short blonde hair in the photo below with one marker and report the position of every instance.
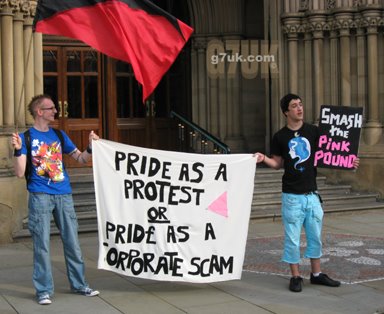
(35, 102)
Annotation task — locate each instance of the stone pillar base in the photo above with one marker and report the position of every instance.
(373, 133)
(6, 224)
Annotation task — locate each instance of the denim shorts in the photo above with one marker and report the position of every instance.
(301, 210)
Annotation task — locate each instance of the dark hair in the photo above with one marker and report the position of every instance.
(284, 102)
(35, 102)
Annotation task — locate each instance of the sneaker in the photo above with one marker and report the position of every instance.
(44, 300)
(324, 280)
(88, 292)
(295, 284)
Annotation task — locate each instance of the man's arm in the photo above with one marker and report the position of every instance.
(85, 156)
(81, 157)
(275, 162)
(19, 160)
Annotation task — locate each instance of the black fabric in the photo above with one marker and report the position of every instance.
(297, 148)
(27, 139)
(48, 8)
(28, 167)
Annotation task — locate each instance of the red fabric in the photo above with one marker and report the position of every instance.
(150, 43)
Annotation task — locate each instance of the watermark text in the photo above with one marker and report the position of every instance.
(251, 57)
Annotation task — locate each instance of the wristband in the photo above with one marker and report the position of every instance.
(17, 152)
(89, 150)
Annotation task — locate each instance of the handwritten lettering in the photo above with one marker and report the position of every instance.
(332, 145)
(138, 262)
(161, 191)
(216, 264)
(348, 120)
(337, 160)
(131, 233)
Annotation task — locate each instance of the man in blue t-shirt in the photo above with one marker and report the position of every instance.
(293, 148)
(50, 193)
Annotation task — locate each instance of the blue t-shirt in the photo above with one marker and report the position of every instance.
(48, 174)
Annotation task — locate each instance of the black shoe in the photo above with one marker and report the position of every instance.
(295, 284)
(324, 280)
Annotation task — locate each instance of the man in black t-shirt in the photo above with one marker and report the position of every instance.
(293, 148)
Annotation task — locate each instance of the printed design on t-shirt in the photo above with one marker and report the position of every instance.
(47, 160)
(299, 147)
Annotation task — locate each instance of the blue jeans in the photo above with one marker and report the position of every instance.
(300, 210)
(41, 207)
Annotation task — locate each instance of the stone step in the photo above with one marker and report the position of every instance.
(273, 192)
(82, 193)
(276, 182)
(85, 220)
(328, 199)
(266, 199)
(87, 223)
(88, 220)
(260, 214)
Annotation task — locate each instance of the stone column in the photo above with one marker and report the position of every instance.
(361, 68)
(318, 62)
(19, 69)
(291, 24)
(334, 73)
(37, 55)
(1, 86)
(373, 129)
(6, 16)
(215, 71)
(231, 90)
(200, 113)
(29, 84)
(345, 67)
(317, 21)
(293, 72)
(38, 63)
(308, 92)
(343, 19)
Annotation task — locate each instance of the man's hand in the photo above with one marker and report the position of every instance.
(92, 136)
(259, 157)
(20, 161)
(16, 141)
(275, 162)
(356, 163)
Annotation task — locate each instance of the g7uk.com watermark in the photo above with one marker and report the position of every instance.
(254, 57)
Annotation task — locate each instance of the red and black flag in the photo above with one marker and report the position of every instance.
(134, 31)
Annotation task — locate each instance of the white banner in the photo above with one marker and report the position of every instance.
(172, 216)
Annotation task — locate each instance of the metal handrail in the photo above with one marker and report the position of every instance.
(205, 136)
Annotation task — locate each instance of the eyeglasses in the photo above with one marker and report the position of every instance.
(50, 108)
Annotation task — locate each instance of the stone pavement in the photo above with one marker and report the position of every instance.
(353, 250)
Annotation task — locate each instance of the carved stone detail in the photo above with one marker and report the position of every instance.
(304, 5)
(8, 7)
(9, 4)
(330, 5)
(33, 5)
(333, 19)
(356, 3)
(199, 44)
(25, 7)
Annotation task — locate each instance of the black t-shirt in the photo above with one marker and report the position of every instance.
(297, 148)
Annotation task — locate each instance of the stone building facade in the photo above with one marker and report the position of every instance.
(329, 52)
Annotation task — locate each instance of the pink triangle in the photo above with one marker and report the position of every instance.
(219, 205)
